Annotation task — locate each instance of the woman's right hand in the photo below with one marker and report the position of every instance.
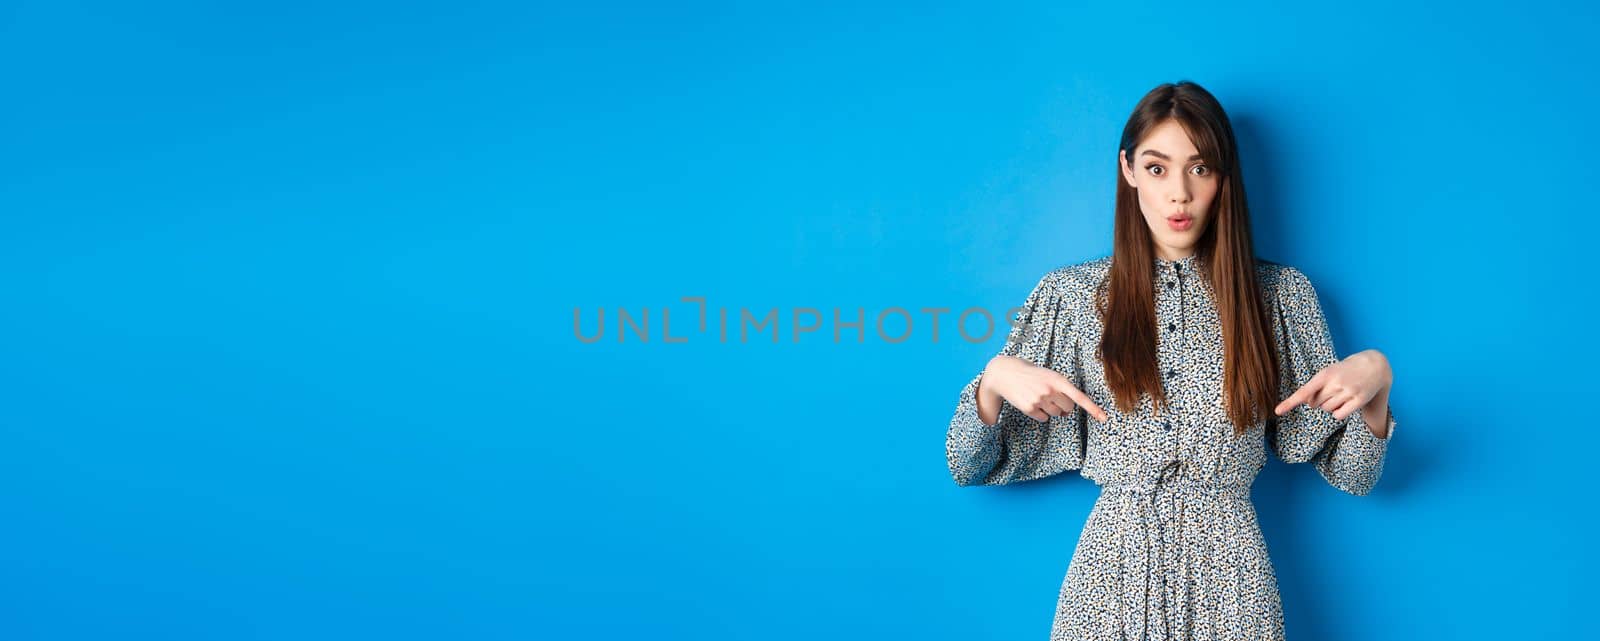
(1039, 392)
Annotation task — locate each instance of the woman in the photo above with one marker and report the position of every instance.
(1188, 341)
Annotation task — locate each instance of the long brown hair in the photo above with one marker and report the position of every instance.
(1224, 254)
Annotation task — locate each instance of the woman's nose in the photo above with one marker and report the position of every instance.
(1181, 192)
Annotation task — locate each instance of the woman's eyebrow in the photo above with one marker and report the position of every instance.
(1163, 156)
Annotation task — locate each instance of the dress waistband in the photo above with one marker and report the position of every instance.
(1182, 484)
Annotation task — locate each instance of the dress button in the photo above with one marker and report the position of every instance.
(1166, 425)
(1172, 372)
(1169, 284)
(1172, 326)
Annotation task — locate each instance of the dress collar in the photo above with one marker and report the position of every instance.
(1185, 264)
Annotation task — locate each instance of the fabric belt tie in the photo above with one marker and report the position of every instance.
(1143, 570)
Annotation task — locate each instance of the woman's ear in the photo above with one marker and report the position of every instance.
(1122, 164)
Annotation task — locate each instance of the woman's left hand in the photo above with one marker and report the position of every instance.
(1344, 387)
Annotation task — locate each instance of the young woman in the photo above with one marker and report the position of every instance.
(1164, 372)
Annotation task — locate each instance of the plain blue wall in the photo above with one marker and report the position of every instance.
(288, 348)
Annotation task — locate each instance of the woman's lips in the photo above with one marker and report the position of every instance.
(1180, 223)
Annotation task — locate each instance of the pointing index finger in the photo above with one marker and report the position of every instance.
(1299, 396)
(1082, 399)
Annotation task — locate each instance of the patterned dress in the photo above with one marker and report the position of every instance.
(1171, 548)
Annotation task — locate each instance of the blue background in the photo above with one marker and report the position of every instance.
(288, 349)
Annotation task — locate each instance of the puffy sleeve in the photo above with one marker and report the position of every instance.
(1018, 448)
(1345, 452)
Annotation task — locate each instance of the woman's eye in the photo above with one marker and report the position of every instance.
(1156, 170)
(1203, 169)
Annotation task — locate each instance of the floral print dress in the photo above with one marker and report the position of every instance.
(1172, 548)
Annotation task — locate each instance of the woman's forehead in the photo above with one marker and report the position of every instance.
(1169, 140)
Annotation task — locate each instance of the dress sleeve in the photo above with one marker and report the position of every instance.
(1018, 448)
(1345, 452)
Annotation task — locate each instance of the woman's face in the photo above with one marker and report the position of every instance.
(1173, 185)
